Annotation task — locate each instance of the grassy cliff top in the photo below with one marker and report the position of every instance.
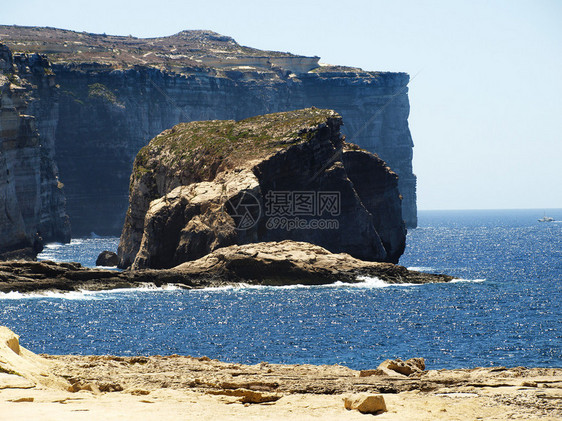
(197, 48)
(204, 146)
(187, 52)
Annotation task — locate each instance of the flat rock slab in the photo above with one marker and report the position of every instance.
(12, 381)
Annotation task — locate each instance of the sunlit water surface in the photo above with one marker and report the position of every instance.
(505, 310)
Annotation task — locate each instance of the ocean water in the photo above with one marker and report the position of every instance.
(504, 310)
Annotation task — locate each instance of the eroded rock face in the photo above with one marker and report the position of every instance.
(191, 221)
(110, 105)
(376, 185)
(32, 201)
(193, 187)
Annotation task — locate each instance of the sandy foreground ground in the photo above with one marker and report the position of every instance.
(175, 387)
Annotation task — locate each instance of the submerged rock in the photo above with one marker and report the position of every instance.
(205, 185)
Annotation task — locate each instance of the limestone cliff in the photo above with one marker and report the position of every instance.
(204, 185)
(116, 93)
(31, 200)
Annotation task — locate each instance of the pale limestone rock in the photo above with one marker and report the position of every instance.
(247, 396)
(406, 368)
(24, 368)
(192, 221)
(375, 372)
(365, 403)
(294, 262)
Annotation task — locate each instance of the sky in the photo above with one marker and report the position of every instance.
(486, 99)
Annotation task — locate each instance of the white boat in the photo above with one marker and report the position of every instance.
(546, 219)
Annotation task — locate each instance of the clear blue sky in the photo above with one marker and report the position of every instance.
(486, 104)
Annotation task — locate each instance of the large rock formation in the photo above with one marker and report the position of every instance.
(119, 92)
(204, 185)
(32, 202)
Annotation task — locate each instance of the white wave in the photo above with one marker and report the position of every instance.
(85, 294)
(70, 295)
(365, 282)
(374, 282)
(246, 287)
(236, 287)
(46, 256)
(52, 246)
(421, 268)
(147, 287)
(457, 280)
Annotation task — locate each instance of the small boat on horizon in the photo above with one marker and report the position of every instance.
(546, 219)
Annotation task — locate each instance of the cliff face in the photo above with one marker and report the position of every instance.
(116, 93)
(205, 185)
(30, 193)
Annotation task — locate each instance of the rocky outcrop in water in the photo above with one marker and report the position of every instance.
(31, 197)
(274, 263)
(291, 262)
(205, 185)
(116, 93)
(107, 258)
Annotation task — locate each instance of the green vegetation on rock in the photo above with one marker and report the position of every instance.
(13, 78)
(203, 146)
(99, 90)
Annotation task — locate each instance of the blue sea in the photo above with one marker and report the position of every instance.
(504, 310)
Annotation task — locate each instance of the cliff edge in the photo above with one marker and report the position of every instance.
(205, 185)
(33, 205)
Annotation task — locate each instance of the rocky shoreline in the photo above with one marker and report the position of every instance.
(146, 387)
(275, 263)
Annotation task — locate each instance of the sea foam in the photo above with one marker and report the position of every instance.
(86, 295)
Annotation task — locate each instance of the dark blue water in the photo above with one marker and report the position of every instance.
(83, 250)
(508, 311)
